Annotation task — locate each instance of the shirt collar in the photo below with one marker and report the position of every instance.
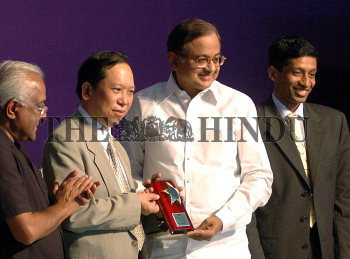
(5, 139)
(102, 132)
(210, 94)
(284, 111)
(171, 87)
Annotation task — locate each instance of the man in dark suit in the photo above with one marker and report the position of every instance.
(308, 214)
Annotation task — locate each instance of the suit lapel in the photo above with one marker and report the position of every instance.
(99, 157)
(314, 140)
(279, 132)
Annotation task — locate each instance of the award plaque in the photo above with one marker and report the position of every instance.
(171, 206)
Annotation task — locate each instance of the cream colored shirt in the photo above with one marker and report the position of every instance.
(224, 172)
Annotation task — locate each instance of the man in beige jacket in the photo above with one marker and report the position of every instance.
(109, 226)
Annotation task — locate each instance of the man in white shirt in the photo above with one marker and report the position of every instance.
(191, 130)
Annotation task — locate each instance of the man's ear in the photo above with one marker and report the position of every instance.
(11, 108)
(173, 59)
(86, 91)
(272, 72)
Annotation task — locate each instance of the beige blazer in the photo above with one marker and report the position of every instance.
(104, 227)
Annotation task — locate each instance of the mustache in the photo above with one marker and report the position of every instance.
(207, 73)
(302, 87)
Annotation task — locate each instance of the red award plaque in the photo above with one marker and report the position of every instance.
(171, 206)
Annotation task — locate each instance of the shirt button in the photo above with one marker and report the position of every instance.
(134, 243)
(305, 246)
(303, 219)
(305, 194)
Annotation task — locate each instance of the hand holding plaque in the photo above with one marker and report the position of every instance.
(171, 206)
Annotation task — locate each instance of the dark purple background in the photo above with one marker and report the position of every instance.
(59, 35)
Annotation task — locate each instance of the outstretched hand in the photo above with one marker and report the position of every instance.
(207, 230)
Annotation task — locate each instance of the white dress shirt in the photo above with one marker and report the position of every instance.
(228, 178)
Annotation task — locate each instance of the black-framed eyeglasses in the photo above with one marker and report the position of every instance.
(203, 61)
(43, 110)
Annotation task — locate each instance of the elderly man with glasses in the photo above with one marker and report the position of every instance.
(189, 129)
(29, 216)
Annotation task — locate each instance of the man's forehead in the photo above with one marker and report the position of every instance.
(300, 61)
(34, 81)
(302, 58)
(200, 44)
(127, 85)
(35, 88)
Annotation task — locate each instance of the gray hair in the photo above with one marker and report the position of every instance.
(13, 75)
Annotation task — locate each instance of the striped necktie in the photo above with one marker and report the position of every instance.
(123, 184)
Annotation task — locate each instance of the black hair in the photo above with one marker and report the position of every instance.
(93, 69)
(288, 47)
(187, 31)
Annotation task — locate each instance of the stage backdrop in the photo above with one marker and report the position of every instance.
(59, 35)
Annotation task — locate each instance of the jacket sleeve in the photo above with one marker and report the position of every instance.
(105, 211)
(342, 198)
